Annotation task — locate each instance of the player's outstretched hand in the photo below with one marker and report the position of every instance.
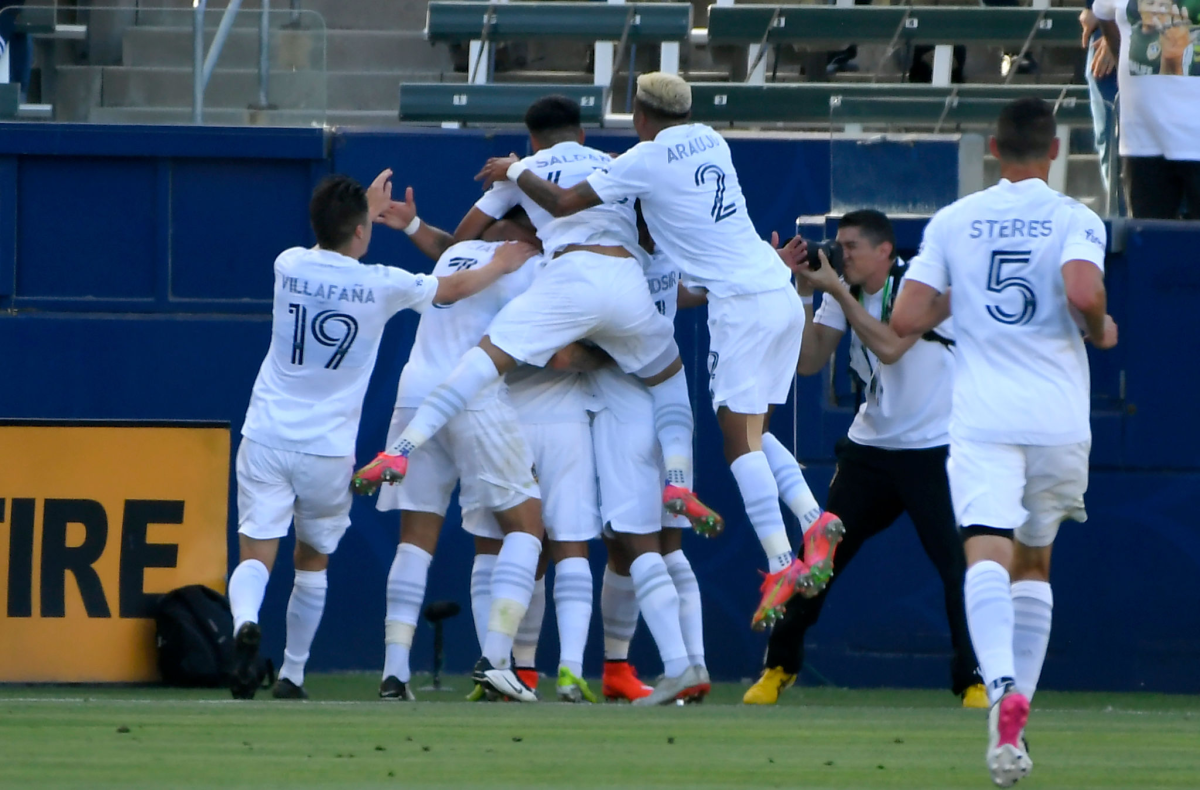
(1109, 338)
(397, 215)
(496, 169)
(512, 255)
(379, 194)
(794, 253)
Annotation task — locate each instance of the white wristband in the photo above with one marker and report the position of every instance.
(413, 226)
(806, 300)
(515, 170)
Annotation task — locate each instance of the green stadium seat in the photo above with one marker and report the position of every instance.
(490, 103)
(651, 22)
(10, 100)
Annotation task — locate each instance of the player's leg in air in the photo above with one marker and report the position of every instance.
(275, 486)
(581, 294)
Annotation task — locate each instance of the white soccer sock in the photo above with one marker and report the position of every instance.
(530, 630)
(247, 585)
(512, 587)
(303, 616)
(675, 425)
(481, 593)
(405, 593)
(573, 609)
(659, 603)
(474, 372)
(691, 620)
(793, 488)
(619, 612)
(761, 497)
(1033, 606)
(990, 620)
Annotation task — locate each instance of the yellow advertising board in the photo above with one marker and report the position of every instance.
(97, 519)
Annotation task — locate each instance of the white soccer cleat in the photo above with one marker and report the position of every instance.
(670, 689)
(1007, 759)
(504, 682)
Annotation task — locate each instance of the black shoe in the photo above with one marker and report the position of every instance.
(393, 687)
(246, 677)
(286, 689)
(504, 682)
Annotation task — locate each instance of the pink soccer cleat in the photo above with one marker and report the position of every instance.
(682, 502)
(384, 469)
(820, 543)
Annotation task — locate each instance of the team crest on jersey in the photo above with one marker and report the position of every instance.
(533, 471)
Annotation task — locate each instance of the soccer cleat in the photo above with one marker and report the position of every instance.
(778, 588)
(393, 687)
(682, 502)
(384, 469)
(503, 682)
(572, 688)
(286, 689)
(528, 676)
(975, 697)
(820, 543)
(620, 682)
(477, 694)
(694, 695)
(1007, 758)
(768, 687)
(245, 677)
(670, 689)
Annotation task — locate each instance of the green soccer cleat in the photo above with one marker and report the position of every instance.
(572, 688)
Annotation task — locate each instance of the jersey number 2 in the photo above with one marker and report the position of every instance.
(998, 283)
(710, 173)
(324, 324)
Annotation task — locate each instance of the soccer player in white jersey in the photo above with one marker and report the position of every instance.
(297, 452)
(552, 410)
(684, 176)
(591, 288)
(1027, 269)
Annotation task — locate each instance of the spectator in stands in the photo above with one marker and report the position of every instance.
(1100, 73)
(1159, 77)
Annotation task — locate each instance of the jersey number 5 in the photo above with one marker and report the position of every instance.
(324, 326)
(998, 283)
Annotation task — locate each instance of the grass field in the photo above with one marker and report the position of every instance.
(815, 738)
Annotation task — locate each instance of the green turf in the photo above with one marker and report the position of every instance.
(816, 738)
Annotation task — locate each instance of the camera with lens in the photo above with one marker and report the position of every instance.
(833, 253)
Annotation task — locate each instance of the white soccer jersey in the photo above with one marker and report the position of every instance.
(693, 204)
(906, 405)
(1021, 371)
(327, 320)
(566, 164)
(449, 331)
(541, 395)
(624, 394)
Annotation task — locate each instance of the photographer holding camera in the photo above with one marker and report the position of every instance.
(894, 458)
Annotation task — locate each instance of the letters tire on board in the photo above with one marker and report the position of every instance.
(98, 519)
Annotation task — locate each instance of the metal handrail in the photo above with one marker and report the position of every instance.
(203, 65)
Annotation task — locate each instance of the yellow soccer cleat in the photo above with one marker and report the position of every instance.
(769, 686)
(976, 697)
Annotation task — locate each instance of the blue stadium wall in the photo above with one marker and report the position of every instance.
(135, 278)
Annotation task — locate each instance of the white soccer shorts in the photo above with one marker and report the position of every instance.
(1026, 488)
(566, 474)
(585, 295)
(754, 345)
(630, 470)
(482, 448)
(275, 486)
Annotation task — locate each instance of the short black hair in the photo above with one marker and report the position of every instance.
(551, 114)
(874, 225)
(337, 208)
(661, 116)
(1025, 130)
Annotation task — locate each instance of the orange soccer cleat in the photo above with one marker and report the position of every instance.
(778, 588)
(528, 676)
(620, 682)
(384, 469)
(820, 543)
(682, 502)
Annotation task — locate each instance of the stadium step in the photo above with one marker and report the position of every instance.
(338, 14)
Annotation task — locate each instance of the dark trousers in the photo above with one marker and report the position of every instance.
(1155, 187)
(870, 490)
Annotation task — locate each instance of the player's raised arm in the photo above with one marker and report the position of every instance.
(554, 199)
(460, 285)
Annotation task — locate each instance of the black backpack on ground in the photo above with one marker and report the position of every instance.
(195, 639)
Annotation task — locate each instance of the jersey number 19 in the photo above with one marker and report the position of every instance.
(323, 325)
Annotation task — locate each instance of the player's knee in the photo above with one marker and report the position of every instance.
(983, 543)
(307, 558)
(569, 549)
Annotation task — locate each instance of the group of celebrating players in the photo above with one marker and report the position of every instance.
(545, 381)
